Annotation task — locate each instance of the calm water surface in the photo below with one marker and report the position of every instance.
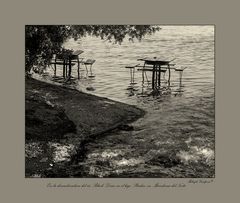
(176, 136)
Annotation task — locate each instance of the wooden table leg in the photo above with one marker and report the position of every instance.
(159, 76)
(91, 69)
(169, 74)
(131, 75)
(70, 68)
(66, 69)
(143, 72)
(78, 68)
(153, 77)
(55, 67)
(180, 77)
(63, 68)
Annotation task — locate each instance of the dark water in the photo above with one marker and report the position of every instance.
(176, 136)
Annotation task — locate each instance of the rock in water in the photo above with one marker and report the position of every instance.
(90, 89)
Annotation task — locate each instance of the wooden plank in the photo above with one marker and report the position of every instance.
(133, 66)
(77, 52)
(162, 66)
(61, 63)
(180, 69)
(89, 62)
(77, 60)
(155, 60)
(150, 70)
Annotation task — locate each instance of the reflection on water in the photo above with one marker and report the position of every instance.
(192, 47)
(176, 136)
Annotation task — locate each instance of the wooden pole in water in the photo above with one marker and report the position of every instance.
(156, 76)
(169, 74)
(63, 68)
(153, 77)
(130, 75)
(180, 75)
(55, 66)
(78, 68)
(143, 72)
(66, 69)
(159, 76)
(70, 68)
(133, 73)
(91, 69)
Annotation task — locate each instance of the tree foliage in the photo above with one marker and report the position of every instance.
(42, 41)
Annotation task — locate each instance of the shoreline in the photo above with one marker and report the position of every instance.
(63, 115)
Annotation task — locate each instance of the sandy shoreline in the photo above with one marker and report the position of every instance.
(63, 115)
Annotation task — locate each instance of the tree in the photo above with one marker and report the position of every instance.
(42, 41)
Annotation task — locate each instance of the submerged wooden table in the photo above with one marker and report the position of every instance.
(156, 65)
(67, 59)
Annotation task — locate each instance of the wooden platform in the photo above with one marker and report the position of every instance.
(61, 63)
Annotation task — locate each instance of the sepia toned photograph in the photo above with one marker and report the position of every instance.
(120, 101)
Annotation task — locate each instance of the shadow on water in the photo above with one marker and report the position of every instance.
(145, 89)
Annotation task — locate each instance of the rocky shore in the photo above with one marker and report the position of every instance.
(57, 114)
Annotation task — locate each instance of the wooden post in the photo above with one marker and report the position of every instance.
(130, 75)
(66, 67)
(70, 68)
(146, 75)
(160, 69)
(156, 76)
(169, 74)
(91, 69)
(180, 75)
(63, 68)
(86, 68)
(153, 77)
(55, 66)
(143, 72)
(133, 73)
(78, 68)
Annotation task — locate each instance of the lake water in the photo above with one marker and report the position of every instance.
(176, 137)
(191, 46)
